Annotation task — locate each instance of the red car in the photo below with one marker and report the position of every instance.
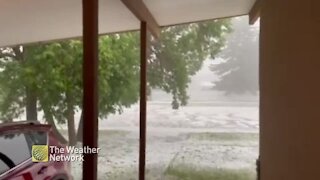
(16, 140)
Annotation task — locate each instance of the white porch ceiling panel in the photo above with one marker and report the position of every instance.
(171, 12)
(29, 21)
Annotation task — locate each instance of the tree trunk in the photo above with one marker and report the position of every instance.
(31, 105)
(80, 129)
(70, 118)
(50, 120)
(31, 96)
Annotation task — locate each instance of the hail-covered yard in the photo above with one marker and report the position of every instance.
(200, 141)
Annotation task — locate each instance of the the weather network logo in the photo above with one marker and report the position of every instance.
(40, 153)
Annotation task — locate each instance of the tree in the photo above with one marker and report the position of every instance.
(180, 54)
(53, 71)
(238, 72)
(16, 55)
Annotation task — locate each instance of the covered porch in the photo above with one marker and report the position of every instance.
(288, 111)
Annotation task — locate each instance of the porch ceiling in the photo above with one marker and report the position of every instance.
(45, 20)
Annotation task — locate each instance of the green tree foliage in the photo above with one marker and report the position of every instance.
(53, 71)
(238, 73)
(180, 54)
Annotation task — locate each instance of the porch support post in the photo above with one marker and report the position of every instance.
(90, 85)
(143, 99)
(290, 89)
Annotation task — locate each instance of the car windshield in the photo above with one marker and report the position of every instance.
(14, 149)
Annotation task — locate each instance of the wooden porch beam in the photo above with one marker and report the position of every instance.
(143, 99)
(140, 10)
(90, 86)
(254, 13)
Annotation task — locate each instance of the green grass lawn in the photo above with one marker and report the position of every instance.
(185, 172)
(188, 163)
